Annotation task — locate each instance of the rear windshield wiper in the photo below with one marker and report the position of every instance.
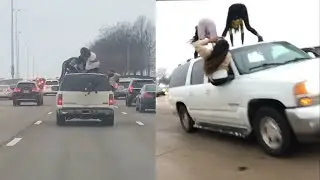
(91, 88)
(278, 64)
(265, 65)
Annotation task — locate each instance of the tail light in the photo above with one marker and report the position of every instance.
(59, 100)
(130, 89)
(17, 90)
(9, 89)
(147, 95)
(111, 99)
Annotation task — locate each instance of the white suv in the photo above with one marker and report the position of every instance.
(85, 96)
(50, 87)
(272, 93)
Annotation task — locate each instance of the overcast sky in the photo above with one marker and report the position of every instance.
(292, 20)
(55, 30)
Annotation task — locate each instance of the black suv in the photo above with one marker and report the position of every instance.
(27, 91)
(134, 88)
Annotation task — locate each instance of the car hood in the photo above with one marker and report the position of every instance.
(295, 72)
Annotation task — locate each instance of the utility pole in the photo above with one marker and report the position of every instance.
(32, 67)
(12, 42)
(27, 63)
(17, 32)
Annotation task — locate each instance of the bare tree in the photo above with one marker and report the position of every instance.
(127, 47)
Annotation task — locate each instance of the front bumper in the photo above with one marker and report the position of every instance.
(305, 121)
(86, 113)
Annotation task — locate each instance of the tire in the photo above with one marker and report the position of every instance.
(18, 103)
(137, 107)
(107, 121)
(141, 108)
(60, 120)
(188, 126)
(128, 103)
(285, 146)
(14, 102)
(39, 102)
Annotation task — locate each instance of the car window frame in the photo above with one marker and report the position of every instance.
(61, 87)
(192, 70)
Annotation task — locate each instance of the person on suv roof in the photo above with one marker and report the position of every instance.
(92, 65)
(75, 64)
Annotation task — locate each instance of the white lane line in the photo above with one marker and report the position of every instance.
(14, 141)
(38, 122)
(140, 123)
(115, 106)
(49, 112)
(123, 112)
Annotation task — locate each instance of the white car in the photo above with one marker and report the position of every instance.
(85, 96)
(51, 87)
(5, 91)
(272, 93)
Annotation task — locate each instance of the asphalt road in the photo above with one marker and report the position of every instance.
(33, 147)
(208, 156)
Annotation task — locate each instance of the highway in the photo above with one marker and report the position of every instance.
(207, 155)
(33, 147)
(141, 146)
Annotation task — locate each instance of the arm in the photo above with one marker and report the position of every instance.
(200, 47)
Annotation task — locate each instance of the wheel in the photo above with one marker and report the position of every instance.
(137, 106)
(273, 132)
(14, 102)
(18, 103)
(141, 108)
(187, 122)
(61, 120)
(107, 121)
(39, 102)
(129, 103)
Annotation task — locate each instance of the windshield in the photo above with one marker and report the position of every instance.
(84, 81)
(52, 82)
(151, 88)
(266, 55)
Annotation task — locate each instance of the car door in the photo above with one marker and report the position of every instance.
(196, 93)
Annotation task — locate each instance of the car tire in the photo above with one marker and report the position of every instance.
(186, 121)
(271, 117)
(141, 108)
(39, 102)
(137, 107)
(129, 103)
(18, 103)
(107, 121)
(61, 120)
(14, 103)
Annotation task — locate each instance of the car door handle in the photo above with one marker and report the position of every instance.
(190, 94)
(207, 91)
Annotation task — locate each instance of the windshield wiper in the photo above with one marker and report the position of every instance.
(265, 65)
(91, 88)
(278, 64)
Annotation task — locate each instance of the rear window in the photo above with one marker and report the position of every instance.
(151, 88)
(141, 83)
(124, 84)
(81, 82)
(52, 83)
(26, 85)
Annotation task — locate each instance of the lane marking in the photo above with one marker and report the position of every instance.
(115, 106)
(49, 112)
(38, 122)
(14, 141)
(140, 123)
(123, 112)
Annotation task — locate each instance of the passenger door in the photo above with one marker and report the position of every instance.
(196, 93)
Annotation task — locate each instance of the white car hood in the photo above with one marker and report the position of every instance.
(295, 72)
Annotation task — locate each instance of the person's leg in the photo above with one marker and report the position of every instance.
(63, 70)
(245, 17)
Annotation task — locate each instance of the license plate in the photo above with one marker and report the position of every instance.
(85, 111)
(25, 91)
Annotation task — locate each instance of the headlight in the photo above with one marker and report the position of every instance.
(307, 93)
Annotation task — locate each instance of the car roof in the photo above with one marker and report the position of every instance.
(77, 74)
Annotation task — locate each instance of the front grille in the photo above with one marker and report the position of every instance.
(54, 88)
